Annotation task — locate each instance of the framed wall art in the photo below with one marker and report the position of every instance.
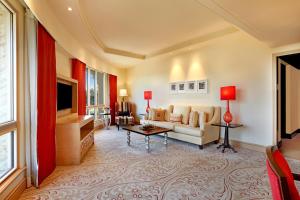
(181, 87)
(191, 86)
(173, 88)
(202, 86)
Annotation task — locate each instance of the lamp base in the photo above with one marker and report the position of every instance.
(227, 117)
(148, 107)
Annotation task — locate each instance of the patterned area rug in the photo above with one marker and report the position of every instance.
(112, 170)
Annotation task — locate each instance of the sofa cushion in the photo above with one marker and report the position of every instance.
(151, 114)
(208, 110)
(168, 111)
(162, 124)
(175, 117)
(202, 120)
(158, 115)
(184, 129)
(185, 111)
(193, 119)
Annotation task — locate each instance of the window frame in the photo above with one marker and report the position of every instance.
(97, 106)
(11, 126)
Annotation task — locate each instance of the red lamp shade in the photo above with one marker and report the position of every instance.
(227, 93)
(147, 95)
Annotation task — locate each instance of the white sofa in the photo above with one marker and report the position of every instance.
(201, 135)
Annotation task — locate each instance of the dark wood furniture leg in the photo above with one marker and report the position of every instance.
(201, 147)
(226, 144)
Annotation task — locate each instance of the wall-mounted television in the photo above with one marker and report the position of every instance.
(64, 96)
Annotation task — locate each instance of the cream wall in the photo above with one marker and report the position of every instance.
(235, 59)
(292, 99)
(63, 61)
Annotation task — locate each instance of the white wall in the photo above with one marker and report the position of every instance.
(235, 59)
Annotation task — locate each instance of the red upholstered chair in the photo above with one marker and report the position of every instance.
(281, 177)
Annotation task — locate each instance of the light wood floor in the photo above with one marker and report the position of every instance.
(291, 147)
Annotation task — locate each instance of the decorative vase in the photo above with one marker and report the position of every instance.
(227, 117)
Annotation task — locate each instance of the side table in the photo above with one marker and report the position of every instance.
(226, 144)
(107, 119)
(143, 116)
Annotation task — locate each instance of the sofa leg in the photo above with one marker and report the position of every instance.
(216, 141)
(118, 127)
(201, 147)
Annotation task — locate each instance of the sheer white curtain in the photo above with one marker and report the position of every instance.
(31, 98)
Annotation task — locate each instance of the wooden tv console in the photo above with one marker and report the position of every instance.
(74, 137)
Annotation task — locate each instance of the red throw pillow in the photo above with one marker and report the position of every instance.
(282, 163)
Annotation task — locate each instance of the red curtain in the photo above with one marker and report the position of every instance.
(46, 103)
(113, 96)
(78, 73)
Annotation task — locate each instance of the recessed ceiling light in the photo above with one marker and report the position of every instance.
(69, 9)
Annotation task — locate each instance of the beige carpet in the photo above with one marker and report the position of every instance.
(112, 170)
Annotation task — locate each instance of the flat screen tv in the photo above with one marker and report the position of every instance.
(64, 96)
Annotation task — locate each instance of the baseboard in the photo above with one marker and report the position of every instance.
(17, 192)
(291, 135)
(294, 133)
(246, 145)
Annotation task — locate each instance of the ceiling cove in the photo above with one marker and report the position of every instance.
(105, 48)
(135, 55)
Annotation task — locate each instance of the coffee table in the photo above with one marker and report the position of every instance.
(147, 133)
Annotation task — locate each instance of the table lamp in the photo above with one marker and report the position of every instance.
(123, 94)
(227, 93)
(147, 96)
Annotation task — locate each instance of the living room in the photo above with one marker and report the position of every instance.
(138, 101)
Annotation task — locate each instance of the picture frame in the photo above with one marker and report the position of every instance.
(181, 87)
(191, 86)
(202, 86)
(173, 88)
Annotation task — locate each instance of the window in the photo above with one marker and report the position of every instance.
(92, 87)
(96, 87)
(8, 124)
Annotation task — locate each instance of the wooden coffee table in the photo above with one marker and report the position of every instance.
(147, 134)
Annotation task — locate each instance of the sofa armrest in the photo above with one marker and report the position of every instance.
(212, 133)
(216, 117)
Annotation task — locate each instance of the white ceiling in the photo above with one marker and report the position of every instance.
(119, 31)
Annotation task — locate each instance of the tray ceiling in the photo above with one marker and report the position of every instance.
(137, 29)
(126, 32)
